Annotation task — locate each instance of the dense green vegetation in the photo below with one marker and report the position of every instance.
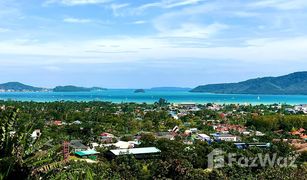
(16, 86)
(21, 157)
(295, 83)
(275, 122)
(76, 89)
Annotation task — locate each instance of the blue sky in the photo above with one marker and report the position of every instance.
(146, 43)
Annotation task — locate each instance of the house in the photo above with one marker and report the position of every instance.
(2, 107)
(175, 129)
(241, 145)
(258, 133)
(77, 122)
(193, 130)
(301, 108)
(124, 145)
(214, 107)
(12, 133)
(187, 132)
(225, 137)
(76, 145)
(165, 135)
(300, 133)
(106, 137)
(290, 110)
(36, 134)
(188, 105)
(91, 154)
(57, 123)
(260, 145)
(139, 153)
(303, 136)
(295, 133)
(301, 130)
(225, 128)
(203, 137)
(247, 145)
(118, 145)
(173, 114)
(246, 133)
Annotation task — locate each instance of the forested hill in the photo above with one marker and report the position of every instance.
(76, 89)
(17, 86)
(295, 83)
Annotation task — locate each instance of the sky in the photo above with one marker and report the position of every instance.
(150, 43)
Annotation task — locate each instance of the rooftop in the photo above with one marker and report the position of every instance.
(146, 150)
(86, 153)
(77, 144)
(204, 135)
(223, 135)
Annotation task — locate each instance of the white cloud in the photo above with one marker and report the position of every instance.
(148, 5)
(185, 23)
(76, 2)
(190, 30)
(280, 4)
(125, 49)
(116, 7)
(177, 3)
(77, 20)
(169, 4)
(139, 22)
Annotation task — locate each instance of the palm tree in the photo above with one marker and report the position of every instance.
(18, 151)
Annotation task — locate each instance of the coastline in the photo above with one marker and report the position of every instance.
(176, 97)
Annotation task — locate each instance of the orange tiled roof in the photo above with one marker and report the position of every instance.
(303, 136)
(295, 133)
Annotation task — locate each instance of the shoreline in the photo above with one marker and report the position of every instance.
(150, 97)
(150, 102)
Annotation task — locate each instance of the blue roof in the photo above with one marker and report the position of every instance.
(86, 153)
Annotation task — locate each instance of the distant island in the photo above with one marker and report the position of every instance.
(139, 91)
(170, 89)
(19, 87)
(76, 89)
(291, 84)
(295, 83)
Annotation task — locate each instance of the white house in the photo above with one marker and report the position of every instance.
(193, 130)
(258, 133)
(36, 134)
(246, 133)
(226, 137)
(203, 137)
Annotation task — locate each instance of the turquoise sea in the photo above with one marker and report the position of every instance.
(128, 95)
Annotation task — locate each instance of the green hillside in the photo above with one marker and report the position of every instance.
(295, 83)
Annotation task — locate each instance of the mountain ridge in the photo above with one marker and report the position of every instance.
(294, 83)
(71, 88)
(19, 87)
